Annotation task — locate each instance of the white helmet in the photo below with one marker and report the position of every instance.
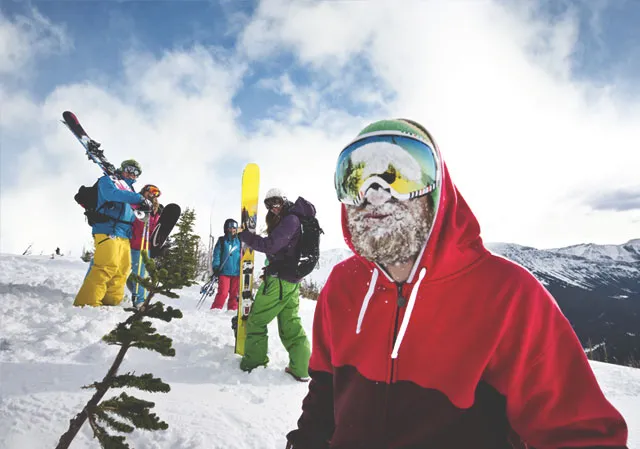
(274, 193)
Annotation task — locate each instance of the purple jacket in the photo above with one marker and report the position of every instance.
(281, 247)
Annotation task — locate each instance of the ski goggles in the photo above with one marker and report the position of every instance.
(232, 226)
(132, 170)
(273, 202)
(153, 191)
(406, 166)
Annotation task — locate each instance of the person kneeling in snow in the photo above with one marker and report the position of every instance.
(279, 293)
(104, 284)
(425, 339)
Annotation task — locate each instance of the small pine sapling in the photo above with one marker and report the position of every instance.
(124, 413)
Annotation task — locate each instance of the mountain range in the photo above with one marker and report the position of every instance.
(596, 286)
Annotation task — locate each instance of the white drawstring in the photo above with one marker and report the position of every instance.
(367, 297)
(407, 314)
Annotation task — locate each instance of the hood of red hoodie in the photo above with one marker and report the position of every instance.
(454, 242)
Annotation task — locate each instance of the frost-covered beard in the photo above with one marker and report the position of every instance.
(390, 233)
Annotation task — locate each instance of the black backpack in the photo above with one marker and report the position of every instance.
(309, 244)
(87, 197)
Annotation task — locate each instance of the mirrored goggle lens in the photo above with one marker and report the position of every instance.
(272, 203)
(131, 169)
(154, 191)
(232, 226)
(405, 165)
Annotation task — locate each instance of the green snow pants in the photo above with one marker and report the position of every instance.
(276, 298)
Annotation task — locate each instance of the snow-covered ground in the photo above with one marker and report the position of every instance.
(49, 349)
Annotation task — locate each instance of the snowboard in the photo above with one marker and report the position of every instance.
(248, 221)
(168, 219)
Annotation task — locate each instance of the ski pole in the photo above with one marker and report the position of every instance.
(207, 290)
(146, 248)
(142, 244)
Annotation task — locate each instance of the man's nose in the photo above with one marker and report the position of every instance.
(376, 195)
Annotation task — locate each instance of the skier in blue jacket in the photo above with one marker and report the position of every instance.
(226, 265)
(104, 284)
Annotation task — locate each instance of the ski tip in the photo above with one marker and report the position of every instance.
(69, 116)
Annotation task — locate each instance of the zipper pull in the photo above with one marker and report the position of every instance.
(402, 301)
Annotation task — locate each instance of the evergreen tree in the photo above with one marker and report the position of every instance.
(182, 254)
(124, 413)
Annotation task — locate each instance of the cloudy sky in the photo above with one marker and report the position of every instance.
(535, 105)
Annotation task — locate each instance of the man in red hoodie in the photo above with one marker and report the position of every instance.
(424, 339)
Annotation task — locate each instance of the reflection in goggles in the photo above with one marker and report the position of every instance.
(272, 202)
(153, 190)
(131, 169)
(404, 165)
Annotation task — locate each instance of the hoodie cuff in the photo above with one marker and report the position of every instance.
(297, 440)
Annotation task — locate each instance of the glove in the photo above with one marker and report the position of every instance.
(216, 271)
(145, 206)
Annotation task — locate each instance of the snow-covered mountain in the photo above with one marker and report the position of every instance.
(613, 269)
(628, 252)
(597, 287)
(50, 349)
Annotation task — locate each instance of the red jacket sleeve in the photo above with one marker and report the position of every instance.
(553, 397)
(315, 426)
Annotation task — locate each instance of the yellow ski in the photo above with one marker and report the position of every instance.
(249, 217)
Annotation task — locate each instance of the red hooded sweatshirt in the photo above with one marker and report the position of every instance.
(477, 355)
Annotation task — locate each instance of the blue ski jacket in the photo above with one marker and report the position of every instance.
(226, 256)
(114, 199)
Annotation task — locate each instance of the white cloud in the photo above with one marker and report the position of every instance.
(321, 33)
(26, 37)
(23, 41)
(523, 140)
(494, 85)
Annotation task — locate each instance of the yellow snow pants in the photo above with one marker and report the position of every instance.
(104, 285)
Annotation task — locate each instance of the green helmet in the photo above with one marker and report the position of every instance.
(131, 165)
